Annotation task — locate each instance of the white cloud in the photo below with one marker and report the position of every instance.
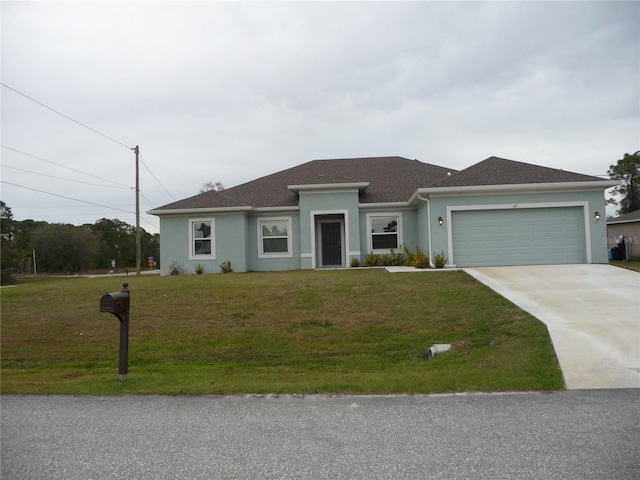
(231, 91)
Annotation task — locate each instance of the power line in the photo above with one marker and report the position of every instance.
(119, 185)
(65, 116)
(155, 178)
(65, 179)
(150, 204)
(66, 206)
(64, 166)
(68, 198)
(76, 200)
(137, 187)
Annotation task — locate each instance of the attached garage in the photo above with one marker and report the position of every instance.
(518, 236)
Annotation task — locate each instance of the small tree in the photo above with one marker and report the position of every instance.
(628, 170)
(6, 234)
(207, 187)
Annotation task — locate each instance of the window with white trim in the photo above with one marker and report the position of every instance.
(202, 238)
(274, 237)
(385, 231)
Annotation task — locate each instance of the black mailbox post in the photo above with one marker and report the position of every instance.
(117, 303)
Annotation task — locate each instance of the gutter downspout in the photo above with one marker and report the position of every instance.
(428, 201)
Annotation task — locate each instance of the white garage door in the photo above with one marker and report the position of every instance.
(533, 236)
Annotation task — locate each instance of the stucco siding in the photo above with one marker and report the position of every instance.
(174, 242)
(228, 234)
(410, 229)
(231, 230)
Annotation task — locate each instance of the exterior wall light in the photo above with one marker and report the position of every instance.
(440, 221)
(597, 216)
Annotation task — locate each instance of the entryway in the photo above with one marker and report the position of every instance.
(330, 241)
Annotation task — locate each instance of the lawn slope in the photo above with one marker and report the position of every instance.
(360, 331)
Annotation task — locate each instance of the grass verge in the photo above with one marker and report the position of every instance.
(361, 331)
(628, 264)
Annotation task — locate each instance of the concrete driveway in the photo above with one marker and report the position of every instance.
(592, 313)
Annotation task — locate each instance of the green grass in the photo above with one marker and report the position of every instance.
(631, 264)
(360, 331)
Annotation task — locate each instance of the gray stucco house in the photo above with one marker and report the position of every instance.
(324, 213)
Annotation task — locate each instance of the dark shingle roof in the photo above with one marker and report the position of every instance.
(500, 171)
(626, 218)
(391, 179)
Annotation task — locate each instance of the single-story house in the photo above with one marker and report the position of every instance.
(625, 230)
(324, 213)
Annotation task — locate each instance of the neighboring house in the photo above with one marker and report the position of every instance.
(625, 229)
(325, 213)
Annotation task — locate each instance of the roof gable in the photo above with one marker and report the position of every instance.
(500, 171)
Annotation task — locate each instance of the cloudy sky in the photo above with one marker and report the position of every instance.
(232, 91)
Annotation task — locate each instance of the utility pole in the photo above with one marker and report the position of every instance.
(138, 254)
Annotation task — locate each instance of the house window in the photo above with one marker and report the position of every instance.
(274, 237)
(385, 231)
(202, 238)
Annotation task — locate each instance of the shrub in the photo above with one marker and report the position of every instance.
(408, 261)
(199, 269)
(226, 267)
(175, 269)
(419, 259)
(439, 260)
(396, 258)
(393, 259)
(371, 259)
(355, 262)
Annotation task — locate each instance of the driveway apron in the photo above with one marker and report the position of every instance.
(592, 313)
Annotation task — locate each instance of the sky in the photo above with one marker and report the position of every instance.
(233, 91)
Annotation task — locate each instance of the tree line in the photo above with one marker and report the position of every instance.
(64, 248)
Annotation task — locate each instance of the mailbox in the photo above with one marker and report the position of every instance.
(117, 302)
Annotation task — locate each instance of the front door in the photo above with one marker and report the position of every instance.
(331, 239)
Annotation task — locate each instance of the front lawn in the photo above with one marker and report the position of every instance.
(360, 331)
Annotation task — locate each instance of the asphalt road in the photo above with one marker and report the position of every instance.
(591, 434)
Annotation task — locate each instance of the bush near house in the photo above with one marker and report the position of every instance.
(371, 259)
(417, 259)
(439, 260)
